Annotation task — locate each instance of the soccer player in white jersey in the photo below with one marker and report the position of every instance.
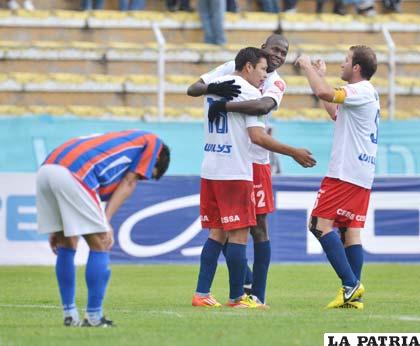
(227, 200)
(272, 91)
(343, 197)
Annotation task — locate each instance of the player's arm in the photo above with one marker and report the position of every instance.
(124, 190)
(331, 109)
(261, 106)
(199, 88)
(227, 89)
(259, 137)
(252, 107)
(315, 73)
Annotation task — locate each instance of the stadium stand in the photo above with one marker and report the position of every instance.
(103, 63)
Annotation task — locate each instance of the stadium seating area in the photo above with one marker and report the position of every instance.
(103, 63)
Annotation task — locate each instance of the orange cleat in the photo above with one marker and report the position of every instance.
(207, 301)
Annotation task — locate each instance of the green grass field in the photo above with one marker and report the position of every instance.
(151, 306)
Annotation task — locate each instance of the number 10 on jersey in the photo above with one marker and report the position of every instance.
(221, 123)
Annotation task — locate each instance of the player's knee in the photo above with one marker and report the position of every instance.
(313, 227)
(218, 235)
(67, 242)
(239, 236)
(110, 242)
(259, 232)
(100, 241)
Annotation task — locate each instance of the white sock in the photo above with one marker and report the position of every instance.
(71, 313)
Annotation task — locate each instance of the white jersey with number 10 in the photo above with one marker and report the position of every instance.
(227, 144)
(273, 87)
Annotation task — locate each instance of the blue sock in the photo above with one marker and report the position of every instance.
(334, 249)
(354, 255)
(208, 265)
(248, 276)
(262, 255)
(237, 263)
(97, 277)
(66, 277)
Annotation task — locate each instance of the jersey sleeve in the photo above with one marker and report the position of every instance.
(356, 95)
(219, 71)
(254, 121)
(276, 88)
(146, 161)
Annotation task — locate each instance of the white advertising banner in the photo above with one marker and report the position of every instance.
(20, 242)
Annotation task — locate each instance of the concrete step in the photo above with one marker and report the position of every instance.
(290, 101)
(408, 6)
(179, 27)
(116, 68)
(174, 84)
(122, 58)
(170, 113)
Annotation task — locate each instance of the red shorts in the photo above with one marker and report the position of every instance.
(263, 188)
(343, 202)
(227, 204)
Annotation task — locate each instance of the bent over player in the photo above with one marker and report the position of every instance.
(343, 197)
(70, 184)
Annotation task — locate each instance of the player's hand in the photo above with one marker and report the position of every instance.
(304, 158)
(303, 61)
(53, 239)
(320, 67)
(227, 89)
(215, 109)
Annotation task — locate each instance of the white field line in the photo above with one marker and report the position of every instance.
(42, 306)
(225, 312)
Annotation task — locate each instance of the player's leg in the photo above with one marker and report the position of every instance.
(210, 219)
(237, 263)
(97, 277)
(248, 276)
(208, 265)
(236, 201)
(264, 204)
(354, 252)
(50, 221)
(262, 256)
(334, 249)
(66, 276)
(82, 215)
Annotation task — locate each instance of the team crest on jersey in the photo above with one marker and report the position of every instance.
(279, 84)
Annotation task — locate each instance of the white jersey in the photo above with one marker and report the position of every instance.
(227, 145)
(273, 87)
(353, 155)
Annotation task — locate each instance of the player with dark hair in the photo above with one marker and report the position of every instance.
(72, 181)
(272, 91)
(227, 200)
(343, 197)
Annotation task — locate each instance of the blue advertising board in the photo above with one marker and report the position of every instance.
(160, 222)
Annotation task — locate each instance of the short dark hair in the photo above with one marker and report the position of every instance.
(276, 38)
(163, 160)
(365, 57)
(249, 54)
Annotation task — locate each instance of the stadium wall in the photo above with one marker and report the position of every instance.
(160, 224)
(26, 141)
